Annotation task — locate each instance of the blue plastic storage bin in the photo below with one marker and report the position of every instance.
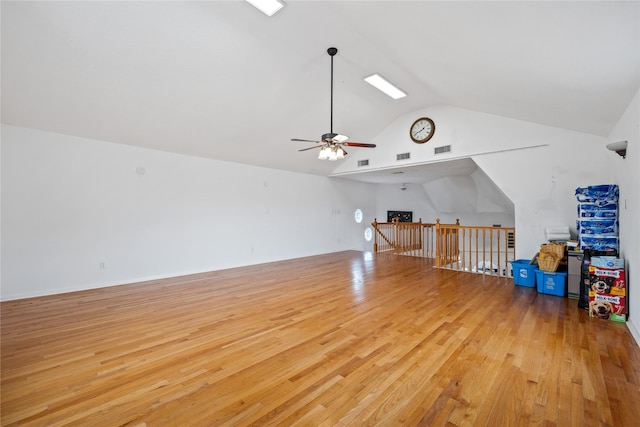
(523, 273)
(551, 283)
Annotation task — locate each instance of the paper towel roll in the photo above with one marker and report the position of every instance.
(558, 233)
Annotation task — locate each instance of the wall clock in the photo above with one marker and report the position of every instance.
(422, 130)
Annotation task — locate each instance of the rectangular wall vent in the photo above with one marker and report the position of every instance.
(403, 156)
(443, 149)
(363, 162)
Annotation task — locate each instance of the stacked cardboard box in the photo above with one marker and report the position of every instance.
(608, 290)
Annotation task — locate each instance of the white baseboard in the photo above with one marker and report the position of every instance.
(634, 331)
(99, 285)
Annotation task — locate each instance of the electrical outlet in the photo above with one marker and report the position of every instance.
(102, 265)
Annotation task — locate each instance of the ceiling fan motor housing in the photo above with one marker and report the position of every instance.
(328, 137)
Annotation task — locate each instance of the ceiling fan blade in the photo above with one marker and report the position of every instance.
(303, 140)
(359, 144)
(311, 148)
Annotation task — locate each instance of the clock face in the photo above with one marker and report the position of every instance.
(422, 130)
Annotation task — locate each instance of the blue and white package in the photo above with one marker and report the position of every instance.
(592, 210)
(610, 262)
(606, 227)
(597, 223)
(598, 242)
(598, 194)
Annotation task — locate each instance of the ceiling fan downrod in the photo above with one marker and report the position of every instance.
(332, 52)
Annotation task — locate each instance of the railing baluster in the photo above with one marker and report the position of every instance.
(498, 254)
(470, 266)
(491, 250)
(484, 250)
(451, 245)
(477, 233)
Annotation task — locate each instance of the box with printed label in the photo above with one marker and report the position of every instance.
(609, 281)
(607, 307)
(610, 262)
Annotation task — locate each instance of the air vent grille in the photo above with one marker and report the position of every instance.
(403, 156)
(363, 162)
(443, 149)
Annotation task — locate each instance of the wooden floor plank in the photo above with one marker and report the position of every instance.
(345, 339)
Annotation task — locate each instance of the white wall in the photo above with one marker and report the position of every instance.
(70, 203)
(627, 176)
(418, 199)
(413, 199)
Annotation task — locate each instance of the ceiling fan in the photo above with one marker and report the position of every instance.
(331, 144)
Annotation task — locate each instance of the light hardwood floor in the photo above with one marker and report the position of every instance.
(345, 339)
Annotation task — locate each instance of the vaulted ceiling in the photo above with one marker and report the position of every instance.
(219, 79)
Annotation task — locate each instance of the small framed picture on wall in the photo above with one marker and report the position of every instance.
(403, 216)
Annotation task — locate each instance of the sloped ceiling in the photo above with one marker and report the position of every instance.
(474, 192)
(219, 79)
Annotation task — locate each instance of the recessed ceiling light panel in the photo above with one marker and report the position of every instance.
(383, 85)
(268, 7)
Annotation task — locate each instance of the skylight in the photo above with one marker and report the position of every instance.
(268, 7)
(383, 85)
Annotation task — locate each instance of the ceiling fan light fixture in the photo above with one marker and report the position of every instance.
(324, 153)
(268, 7)
(383, 85)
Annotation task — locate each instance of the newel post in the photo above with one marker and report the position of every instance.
(456, 243)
